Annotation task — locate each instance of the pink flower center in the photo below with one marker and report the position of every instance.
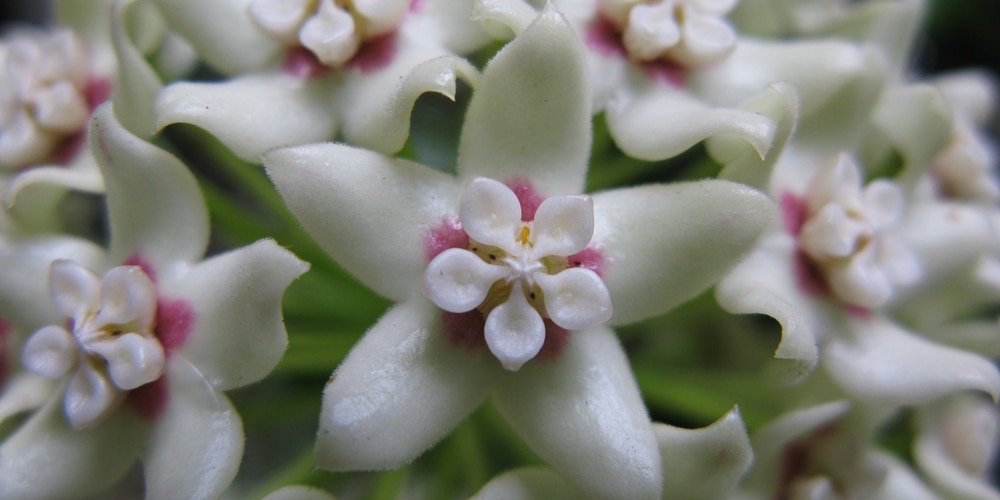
(605, 38)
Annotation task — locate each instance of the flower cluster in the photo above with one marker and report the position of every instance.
(534, 234)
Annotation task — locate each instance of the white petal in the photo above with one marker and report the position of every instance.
(704, 463)
(240, 48)
(83, 176)
(650, 272)
(197, 443)
(563, 225)
(237, 335)
(582, 413)
(76, 291)
(24, 143)
(955, 445)
(660, 123)
(458, 280)
(252, 114)
(90, 397)
(946, 237)
(527, 483)
(898, 261)
(491, 214)
(331, 34)
(371, 213)
(530, 115)
(883, 202)
(832, 232)
(133, 359)
(917, 122)
(155, 206)
(765, 283)
(88, 461)
(136, 84)
(400, 390)
(970, 92)
(23, 391)
(575, 298)
(128, 298)
(280, 18)
(514, 331)
(50, 352)
(879, 361)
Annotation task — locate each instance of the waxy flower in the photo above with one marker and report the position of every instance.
(309, 71)
(956, 445)
(148, 341)
(507, 256)
(827, 451)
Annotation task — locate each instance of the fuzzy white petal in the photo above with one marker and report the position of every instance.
(529, 116)
(704, 463)
(196, 445)
(587, 391)
(401, 389)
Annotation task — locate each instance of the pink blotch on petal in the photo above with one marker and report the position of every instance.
(147, 267)
(149, 401)
(465, 330)
(556, 338)
(604, 38)
(68, 149)
(793, 212)
(588, 258)
(301, 63)
(448, 234)
(97, 91)
(666, 72)
(416, 5)
(528, 196)
(174, 319)
(375, 54)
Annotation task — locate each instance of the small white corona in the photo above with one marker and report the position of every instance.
(516, 272)
(111, 348)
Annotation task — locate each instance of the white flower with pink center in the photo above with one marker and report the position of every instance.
(504, 276)
(517, 272)
(144, 339)
(111, 346)
(847, 234)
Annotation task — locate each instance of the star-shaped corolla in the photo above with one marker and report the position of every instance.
(312, 71)
(145, 339)
(463, 257)
(658, 108)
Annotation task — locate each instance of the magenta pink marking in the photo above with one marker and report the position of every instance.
(375, 54)
(603, 36)
(68, 149)
(793, 212)
(97, 91)
(174, 319)
(145, 265)
(588, 258)
(148, 401)
(448, 234)
(465, 330)
(556, 338)
(301, 63)
(528, 196)
(666, 72)
(416, 5)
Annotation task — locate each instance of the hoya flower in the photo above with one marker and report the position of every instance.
(659, 107)
(505, 276)
(956, 445)
(827, 451)
(53, 79)
(148, 341)
(830, 269)
(312, 71)
(697, 464)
